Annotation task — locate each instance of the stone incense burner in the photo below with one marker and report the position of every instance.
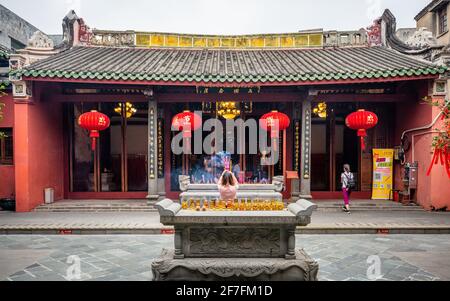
(235, 245)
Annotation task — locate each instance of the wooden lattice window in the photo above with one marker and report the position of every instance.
(6, 146)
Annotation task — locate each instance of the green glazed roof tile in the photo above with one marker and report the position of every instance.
(270, 66)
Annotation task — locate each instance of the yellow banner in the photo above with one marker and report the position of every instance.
(383, 172)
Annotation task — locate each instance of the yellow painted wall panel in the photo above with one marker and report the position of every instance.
(301, 41)
(200, 42)
(272, 42)
(213, 42)
(157, 40)
(260, 41)
(287, 42)
(257, 42)
(227, 42)
(242, 42)
(142, 40)
(172, 41)
(186, 41)
(315, 40)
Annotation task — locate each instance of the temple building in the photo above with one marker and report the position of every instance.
(142, 80)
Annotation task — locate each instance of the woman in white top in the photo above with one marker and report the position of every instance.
(347, 181)
(228, 186)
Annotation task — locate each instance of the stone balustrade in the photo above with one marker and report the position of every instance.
(245, 192)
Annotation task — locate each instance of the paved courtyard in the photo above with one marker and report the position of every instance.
(149, 222)
(127, 258)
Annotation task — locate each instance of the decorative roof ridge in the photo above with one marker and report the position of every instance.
(392, 40)
(290, 49)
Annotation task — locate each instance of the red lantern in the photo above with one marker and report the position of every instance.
(361, 121)
(94, 122)
(269, 123)
(187, 122)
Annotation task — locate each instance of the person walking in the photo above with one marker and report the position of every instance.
(348, 184)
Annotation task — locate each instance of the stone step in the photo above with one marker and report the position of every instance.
(95, 208)
(310, 230)
(144, 207)
(151, 209)
(355, 209)
(366, 206)
(366, 203)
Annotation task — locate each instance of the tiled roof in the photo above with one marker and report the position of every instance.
(228, 65)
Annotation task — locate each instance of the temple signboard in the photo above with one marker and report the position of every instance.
(222, 90)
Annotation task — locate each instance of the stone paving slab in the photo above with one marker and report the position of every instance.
(128, 258)
(392, 222)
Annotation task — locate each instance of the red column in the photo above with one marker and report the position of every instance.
(22, 156)
(38, 151)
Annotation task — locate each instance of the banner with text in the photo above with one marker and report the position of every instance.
(382, 173)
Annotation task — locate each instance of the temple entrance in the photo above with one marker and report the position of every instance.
(206, 168)
(119, 164)
(333, 145)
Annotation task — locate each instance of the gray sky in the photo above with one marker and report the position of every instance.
(215, 16)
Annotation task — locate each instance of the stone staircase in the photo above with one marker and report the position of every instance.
(98, 206)
(145, 206)
(366, 205)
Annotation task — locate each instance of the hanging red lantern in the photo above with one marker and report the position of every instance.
(269, 123)
(361, 121)
(187, 122)
(95, 122)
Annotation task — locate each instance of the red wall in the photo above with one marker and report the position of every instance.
(433, 191)
(39, 151)
(7, 171)
(440, 183)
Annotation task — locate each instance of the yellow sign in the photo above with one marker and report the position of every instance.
(383, 173)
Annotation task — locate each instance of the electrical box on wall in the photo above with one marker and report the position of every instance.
(410, 176)
(413, 172)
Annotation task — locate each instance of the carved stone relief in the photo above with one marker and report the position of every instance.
(421, 38)
(229, 241)
(113, 39)
(40, 40)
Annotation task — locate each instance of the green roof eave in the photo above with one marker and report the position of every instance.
(208, 78)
